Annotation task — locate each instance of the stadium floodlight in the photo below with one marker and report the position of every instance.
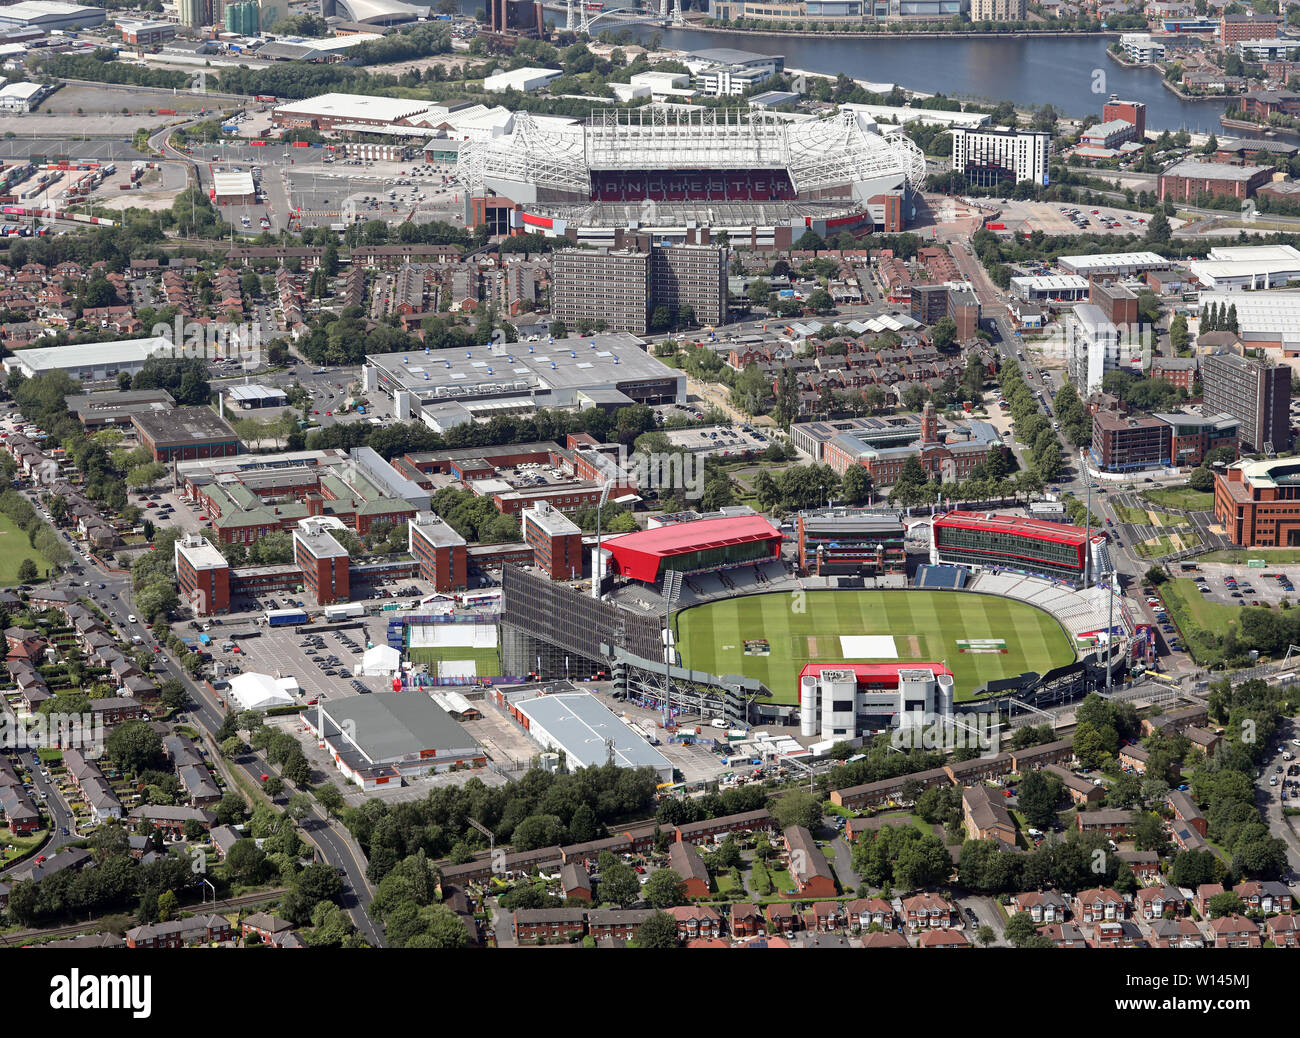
(597, 562)
(672, 588)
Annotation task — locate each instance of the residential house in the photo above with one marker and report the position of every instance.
(181, 933)
(1107, 821)
(1267, 896)
(864, 912)
(685, 860)
(747, 920)
(1145, 864)
(619, 923)
(942, 939)
(534, 923)
(1117, 933)
(1181, 932)
(1283, 931)
(1235, 931)
(1153, 902)
(270, 928)
(1031, 758)
(1080, 789)
(809, 869)
(694, 921)
(1204, 739)
(575, 881)
(1043, 906)
(1064, 935)
(1204, 893)
(1097, 905)
(984, 816)
(926, 911)
(885, 939)
(1185, 810)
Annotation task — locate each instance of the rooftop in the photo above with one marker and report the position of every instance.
(183, 426)
(391, 726)
(584, 725)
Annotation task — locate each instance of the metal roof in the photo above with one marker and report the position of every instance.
(582, 724)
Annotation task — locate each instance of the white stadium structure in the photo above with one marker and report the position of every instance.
(665, 170)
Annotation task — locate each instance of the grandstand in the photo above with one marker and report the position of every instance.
(665, 170)
(1081, 612)
(939, 577)
(982, 540)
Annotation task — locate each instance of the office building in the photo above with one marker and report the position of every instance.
(555, 539)
(1193, 436)
(1185, 180)
(323, 561)
(997, 10)
(988, 157)
(1118, 304)
(1255, 393)
(440, 551)
(1258, 503)
(202, 575)
(1131, 112)
(1123, 443)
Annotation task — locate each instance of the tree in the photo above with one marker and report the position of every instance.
(1020, 928)
(246, 861)
(618, 884)
(944, 334)
(134, 746)
(658, 931)
(855, 486)
(1038, 794)
(665, 889)
(1201, 479)
(985, 935)
(798, 807)
(1226, 903)
(329, 797)
(1158, 229)
(27, 571)
(273, 786)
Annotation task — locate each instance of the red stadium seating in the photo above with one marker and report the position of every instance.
(697, 185)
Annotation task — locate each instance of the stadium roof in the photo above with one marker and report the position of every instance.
(1037, 529)
(382, 12)
(865, 672)
(637, 555)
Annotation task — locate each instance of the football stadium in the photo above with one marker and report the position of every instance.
(669, 171)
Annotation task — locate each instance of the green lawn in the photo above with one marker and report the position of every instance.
(486, 661)
(1160, 546)
(1183, 497)
(1196, 618)
(926, 626)
(13, 550)
(1144, 517)
(1271, 556)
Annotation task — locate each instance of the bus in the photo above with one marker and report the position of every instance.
(1189, 567)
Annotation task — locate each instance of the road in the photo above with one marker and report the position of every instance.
(334, 844)
(1278, 823)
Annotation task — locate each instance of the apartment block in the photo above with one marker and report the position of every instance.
(1255, 393)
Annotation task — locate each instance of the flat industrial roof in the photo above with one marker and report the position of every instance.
(233, 184)
(582, 724)
(92, 354)
(355, 106)
(392, 725)
(1107, 260)
(562, 365)
(183, 425)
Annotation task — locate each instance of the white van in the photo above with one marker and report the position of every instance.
(718, 722)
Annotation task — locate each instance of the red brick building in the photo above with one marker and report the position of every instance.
(202, 575)
(324, 563)
(1183, 181)
(1132, 112)
(440, 551)
(555, 539)
(1233, 28)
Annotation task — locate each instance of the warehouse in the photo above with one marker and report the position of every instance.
(521, 79)
(248, 397)
(90, 362)
(1050, 288)
(525, 376)
(233, 189)
(1121, 263)
(588, 733)
(1252, 267)
(327, 110)
(379, 739)
(49, 15)
(186, 433)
